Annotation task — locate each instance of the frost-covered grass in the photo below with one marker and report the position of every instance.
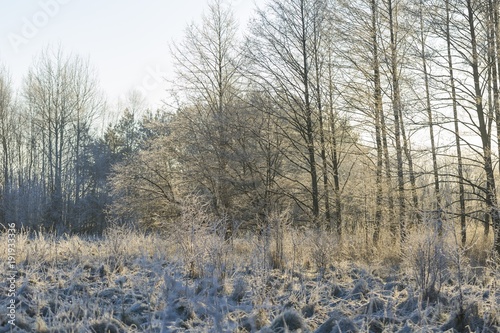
(193, 281)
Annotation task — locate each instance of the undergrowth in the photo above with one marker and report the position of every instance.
(194, 279)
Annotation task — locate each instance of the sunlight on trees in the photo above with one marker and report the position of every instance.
(347, 116)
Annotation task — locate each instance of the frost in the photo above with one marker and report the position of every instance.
(121, 289)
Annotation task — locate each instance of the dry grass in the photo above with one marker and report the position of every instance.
(195, 281)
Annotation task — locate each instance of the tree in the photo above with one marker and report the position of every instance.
(469, 63)
(483, 126)
(364, 89)
(280, 50)
(424, 55)
(397, 112)
(145, 188)
(207, 81)
(454, 99)
(6, 129)
(62, 97)
(379, 123)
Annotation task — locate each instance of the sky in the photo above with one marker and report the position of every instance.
(126, 41)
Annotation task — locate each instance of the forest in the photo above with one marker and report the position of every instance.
(328, 166)
(376, 115)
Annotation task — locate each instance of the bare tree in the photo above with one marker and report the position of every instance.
(379, 124)
(6, 129)
(396, 105)
(280, 49)
(207, 81)
(483, 126)
(61, 95)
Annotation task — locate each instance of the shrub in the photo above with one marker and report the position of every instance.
(427, 259)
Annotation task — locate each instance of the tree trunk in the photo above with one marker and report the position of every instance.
(309, 120)
(490, 200)
(461, 189)
(317, 67)
(396, 105)
(377, 96)
(428, 107)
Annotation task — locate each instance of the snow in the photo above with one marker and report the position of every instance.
(143, 283)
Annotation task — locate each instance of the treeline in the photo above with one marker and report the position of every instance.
(374, 114)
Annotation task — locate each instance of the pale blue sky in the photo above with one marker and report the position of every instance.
(127, 41)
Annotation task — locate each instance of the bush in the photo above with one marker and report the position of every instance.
(428, 261)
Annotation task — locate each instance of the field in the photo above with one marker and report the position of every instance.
(291, 281)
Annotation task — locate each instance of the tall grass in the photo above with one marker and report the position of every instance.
(129, 278)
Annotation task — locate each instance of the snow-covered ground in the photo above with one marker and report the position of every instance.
(135, 282)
